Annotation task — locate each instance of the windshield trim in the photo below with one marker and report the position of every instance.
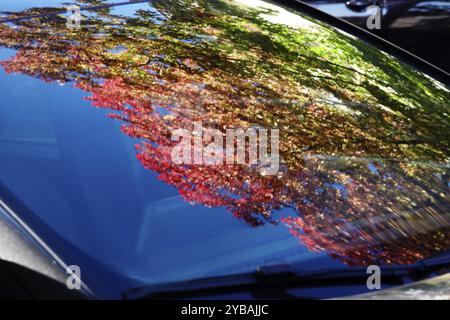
(23, 228)
(371, 38)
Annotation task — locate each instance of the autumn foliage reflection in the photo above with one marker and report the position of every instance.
(364, 138)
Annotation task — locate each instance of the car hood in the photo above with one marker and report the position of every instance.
(87, 117)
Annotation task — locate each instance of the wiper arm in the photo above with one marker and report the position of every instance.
(276, 279)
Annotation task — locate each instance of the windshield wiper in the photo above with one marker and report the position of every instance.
(275, 281)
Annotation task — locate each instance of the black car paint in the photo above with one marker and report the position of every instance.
(421, 27)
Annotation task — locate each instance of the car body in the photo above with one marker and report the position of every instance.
(87, 170)
(420, 27)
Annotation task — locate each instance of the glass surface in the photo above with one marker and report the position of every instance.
(86, 117)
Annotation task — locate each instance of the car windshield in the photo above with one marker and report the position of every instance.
(89, 108)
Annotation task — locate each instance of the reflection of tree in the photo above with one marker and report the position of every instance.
(373, 211)
(381, 192)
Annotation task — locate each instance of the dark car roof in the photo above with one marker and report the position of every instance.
(85, 138)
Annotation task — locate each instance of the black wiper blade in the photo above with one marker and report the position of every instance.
(442, 258)
(266, 279)
(262, 281)
(275, 279)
